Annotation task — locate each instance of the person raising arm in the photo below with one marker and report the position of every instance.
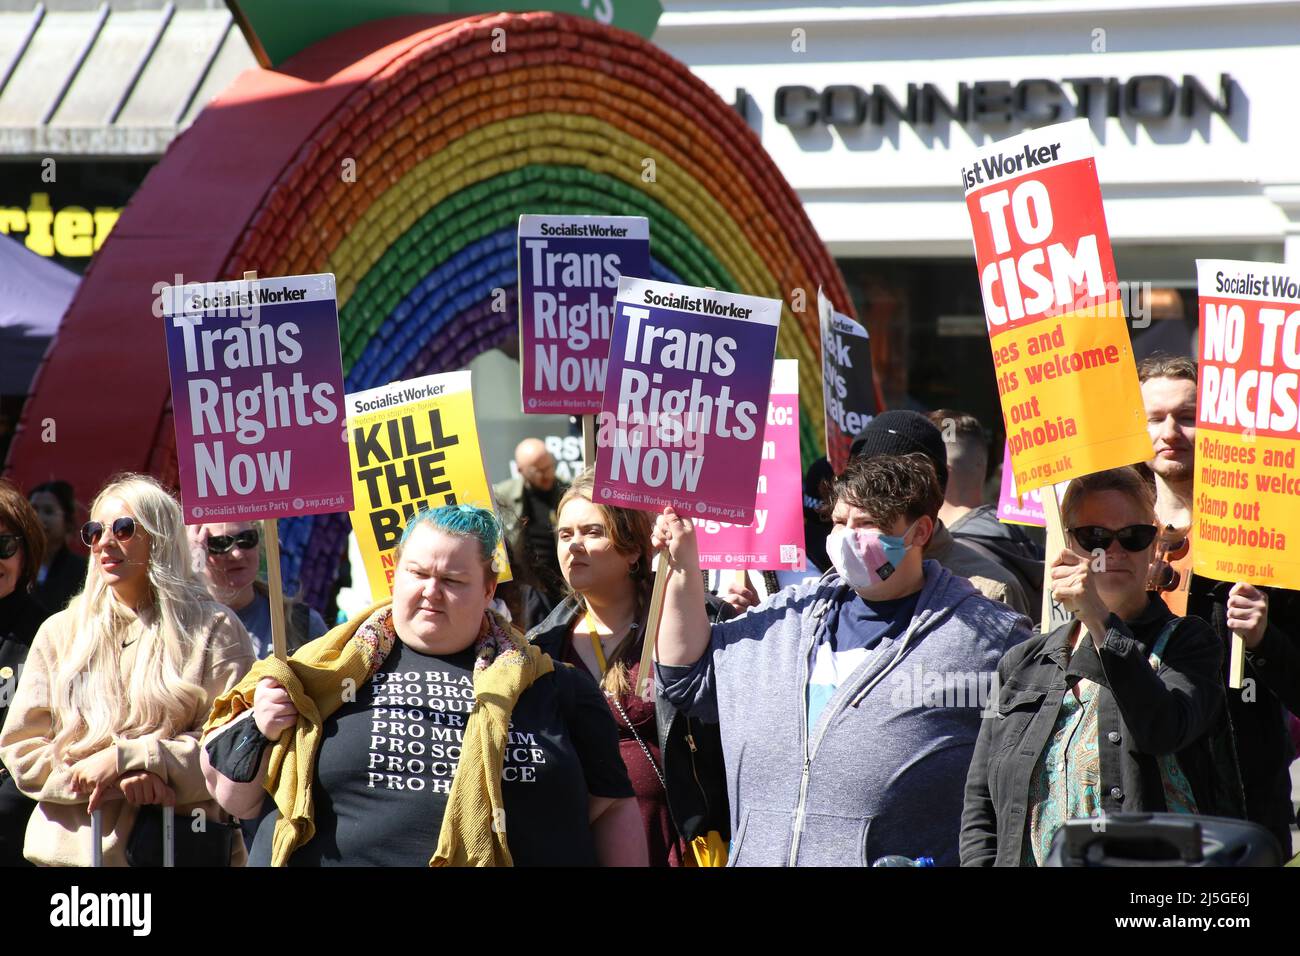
(684, 626)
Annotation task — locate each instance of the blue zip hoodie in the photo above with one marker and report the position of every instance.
(884, 770)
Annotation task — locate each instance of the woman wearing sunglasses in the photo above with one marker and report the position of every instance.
(117, 686)
(228, 555)
(22, 543)
(1119, 709)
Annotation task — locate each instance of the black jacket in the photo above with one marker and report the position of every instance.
(1258, 709)
(690, 749)
(20, 618)
(1008, 545)
(63, 581)
(1142, 713)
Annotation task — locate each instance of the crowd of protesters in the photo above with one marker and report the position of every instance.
(458, 723)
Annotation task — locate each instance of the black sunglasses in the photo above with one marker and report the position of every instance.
(92, 531)
(221, 543)
(1135, 537)
(9, 545)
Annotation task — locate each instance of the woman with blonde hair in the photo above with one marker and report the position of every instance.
(675, 764)
(116, 689)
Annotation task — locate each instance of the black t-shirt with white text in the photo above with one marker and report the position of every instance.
(386, 761)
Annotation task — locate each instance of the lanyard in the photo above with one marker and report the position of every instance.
(596, 647)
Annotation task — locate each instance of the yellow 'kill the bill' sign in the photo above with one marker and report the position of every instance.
(413, 445)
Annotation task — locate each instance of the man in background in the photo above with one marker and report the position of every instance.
(901, 432)
(527, 505)
(1266, 619)
(969, 519)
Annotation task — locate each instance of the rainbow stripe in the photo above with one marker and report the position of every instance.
(451, 142)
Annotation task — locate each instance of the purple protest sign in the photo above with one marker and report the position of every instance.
(569, 267)
(682, 420)
(257, 398)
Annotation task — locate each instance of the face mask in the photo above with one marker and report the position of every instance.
(864, 557)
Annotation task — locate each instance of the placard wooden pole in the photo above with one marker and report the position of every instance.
(1055, 542)
(1236, 662)
(275, 584)
(662, 571)
(588, 441)
(271, 542)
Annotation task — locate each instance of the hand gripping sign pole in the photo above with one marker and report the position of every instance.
(271, 547)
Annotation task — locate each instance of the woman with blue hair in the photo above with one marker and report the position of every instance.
(425, 731)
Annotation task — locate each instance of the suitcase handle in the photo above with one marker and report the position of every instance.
(169, 838)
(1086, 845)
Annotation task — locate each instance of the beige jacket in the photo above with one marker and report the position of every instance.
(991, 579)
(58, 833)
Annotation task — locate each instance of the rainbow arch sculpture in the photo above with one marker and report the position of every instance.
(399, 155)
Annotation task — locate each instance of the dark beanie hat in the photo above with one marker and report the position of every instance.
(903, 432)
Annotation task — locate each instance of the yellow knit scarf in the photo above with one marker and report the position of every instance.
(326, 673)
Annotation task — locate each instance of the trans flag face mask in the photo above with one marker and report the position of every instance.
(864, 557)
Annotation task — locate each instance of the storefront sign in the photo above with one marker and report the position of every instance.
(998, 102)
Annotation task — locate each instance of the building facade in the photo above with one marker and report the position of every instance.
(871, 109)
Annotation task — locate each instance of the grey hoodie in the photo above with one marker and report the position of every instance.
(884, 770)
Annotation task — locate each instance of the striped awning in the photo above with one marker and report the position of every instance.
(112, 83)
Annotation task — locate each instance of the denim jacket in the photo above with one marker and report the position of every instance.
(1143, 712)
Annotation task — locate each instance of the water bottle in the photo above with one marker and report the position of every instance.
(897, 860)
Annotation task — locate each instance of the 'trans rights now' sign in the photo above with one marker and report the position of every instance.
(569, 267)
(682, 422)
(257, 398)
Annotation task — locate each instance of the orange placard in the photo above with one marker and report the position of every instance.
(1060, 342)
(1247, 486)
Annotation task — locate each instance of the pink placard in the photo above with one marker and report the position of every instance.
(1030, 509)
(774, 542)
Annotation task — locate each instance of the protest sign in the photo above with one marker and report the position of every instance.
(682, 420)
(1246, 490)
(1061, 349)
(774, 541)
(257, 398)
(569, 267)
(1026, 509)
(848, 393)
(414, 446)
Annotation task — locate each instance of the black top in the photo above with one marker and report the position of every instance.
(20, 618)
(63, 581)
(1142, 713)
(386, 761)
(1258, 709)
(690, 750)
(537, 539)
